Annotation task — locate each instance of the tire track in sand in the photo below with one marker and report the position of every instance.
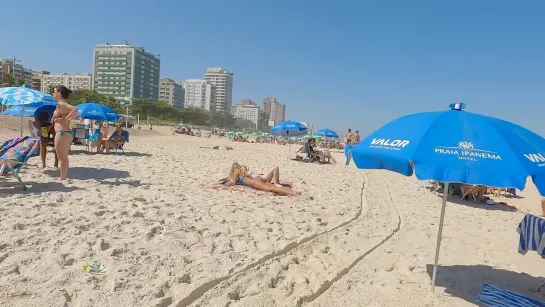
(201, 290)
(326, 286)
(305, 272)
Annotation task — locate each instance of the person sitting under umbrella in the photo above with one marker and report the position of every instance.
(321, 155)
(41, 128)
(116, 141)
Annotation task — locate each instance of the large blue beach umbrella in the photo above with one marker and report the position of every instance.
(327, 133)
(455, 146)
(289, 128)
(23, 96)
(96, 111)
(32, 110)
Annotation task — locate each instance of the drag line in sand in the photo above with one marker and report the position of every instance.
(202, 289)
(307, 270)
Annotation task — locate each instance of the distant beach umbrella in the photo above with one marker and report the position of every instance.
(455, 146)
(289, 128)
(327, 133)
(96, 111)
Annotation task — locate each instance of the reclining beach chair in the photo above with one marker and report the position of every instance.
(494, 296)
(310, 156)
(472, 191)
(10, 143)
(15, 156)
(119, 145)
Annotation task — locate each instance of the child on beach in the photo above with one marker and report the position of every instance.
(270, 182)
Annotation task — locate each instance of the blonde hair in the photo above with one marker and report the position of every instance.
(237, 171)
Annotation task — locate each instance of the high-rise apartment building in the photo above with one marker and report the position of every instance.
(71, 81)
(222, 88)
(198, 94)
(171, 92)
(273, 110)
(18, 71)
(247, 110)
(125, 72)
(37, 79)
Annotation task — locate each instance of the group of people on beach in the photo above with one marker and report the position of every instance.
(352, 138)
(56, 129)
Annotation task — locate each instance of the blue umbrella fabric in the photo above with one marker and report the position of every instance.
(96, 111)
(31, 110)
(289, 128)
(454, 146)
(16, 111)
(327, 133)
(22, 95)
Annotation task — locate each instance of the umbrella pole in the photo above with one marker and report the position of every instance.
(439, 235)
(22, 113)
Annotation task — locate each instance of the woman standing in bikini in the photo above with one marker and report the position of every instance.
(63, 134)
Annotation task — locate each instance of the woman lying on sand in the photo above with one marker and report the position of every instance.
(270, 182)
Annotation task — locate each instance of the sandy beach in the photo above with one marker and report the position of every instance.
(168, 235)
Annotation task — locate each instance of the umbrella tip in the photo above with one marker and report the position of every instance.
(459, 106)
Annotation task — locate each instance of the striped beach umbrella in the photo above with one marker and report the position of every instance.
(22, 95)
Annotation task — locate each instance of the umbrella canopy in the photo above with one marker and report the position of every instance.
(31, 110)
(327, 133)
(455, 146)
(22, 95)
(289, 128)
(96, 111)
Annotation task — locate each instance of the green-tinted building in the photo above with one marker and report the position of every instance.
(125, 72)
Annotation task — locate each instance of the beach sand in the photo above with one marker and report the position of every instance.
(168, 236)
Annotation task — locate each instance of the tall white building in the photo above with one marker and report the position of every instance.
(171, 92)
(222, 88)
(71, 81)
(247, 110)
(198, 94)
(273, 110)
(125, 72)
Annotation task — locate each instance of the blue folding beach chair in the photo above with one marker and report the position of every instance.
(15, 156)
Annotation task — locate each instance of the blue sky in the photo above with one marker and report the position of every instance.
(342, 64)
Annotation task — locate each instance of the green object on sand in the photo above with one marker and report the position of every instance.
(94, 267)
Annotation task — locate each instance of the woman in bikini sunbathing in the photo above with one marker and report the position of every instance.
(62, 116)
(269, 182)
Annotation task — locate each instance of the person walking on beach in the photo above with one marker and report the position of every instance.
(356, 137)
(62, 116)
(349, 136)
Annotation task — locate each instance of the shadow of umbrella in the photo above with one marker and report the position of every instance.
(34, 188)
(465, 281)
(84, 173)
(496, 207)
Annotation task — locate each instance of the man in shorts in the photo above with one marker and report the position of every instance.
(349, 137)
